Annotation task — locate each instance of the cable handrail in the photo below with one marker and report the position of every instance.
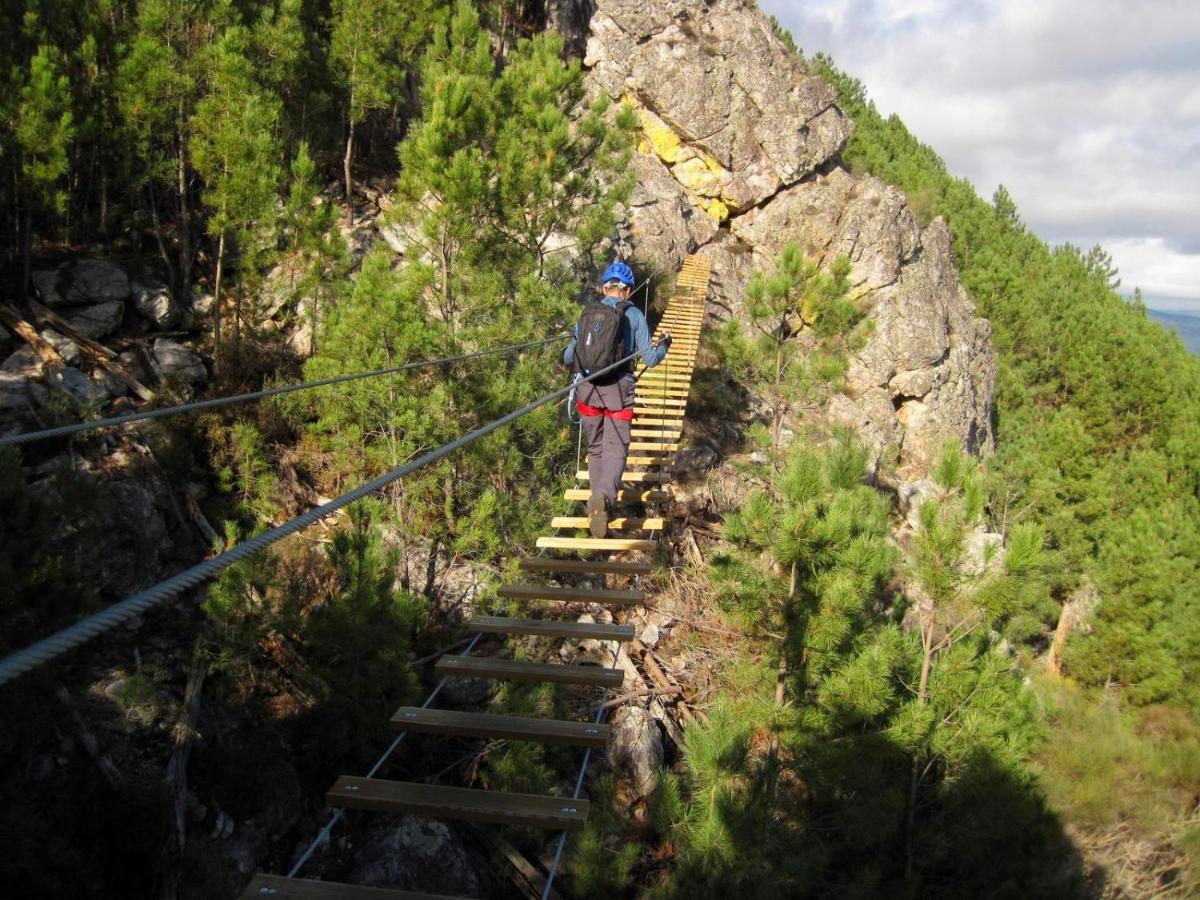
(179, 409)
(60, 642)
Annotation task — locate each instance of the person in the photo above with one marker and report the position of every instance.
(606, 404)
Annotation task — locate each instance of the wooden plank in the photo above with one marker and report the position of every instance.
(643, 420)
(276, 887)
(653, 400)
(630, 496)
(561, 543)
(619, 524)
(453, 723)
(584, 566)
(514, 670)
(556, 628)
(26, 332)
(660, 461)
(665, 433)
(636, 477)
(650, 445)
(440, 802)
(552, 592)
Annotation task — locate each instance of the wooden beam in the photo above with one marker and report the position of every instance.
(514, 670)
(552, 592)
(439, 802)
(453, 723)
(585, 566)
(561, 543)
(555, 628)
(276, 887)
(621, 523)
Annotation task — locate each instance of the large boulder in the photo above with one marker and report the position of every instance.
(82, 282)
(723, 101)
(177, 362)
(635, 749)
(155, 303)
(97, 320)
(416, 854)
(17, 372)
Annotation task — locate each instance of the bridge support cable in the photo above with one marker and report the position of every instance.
(214, 403)
(662, 393)
(339, 814)
(68, 638)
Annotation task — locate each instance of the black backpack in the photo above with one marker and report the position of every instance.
(599, 342)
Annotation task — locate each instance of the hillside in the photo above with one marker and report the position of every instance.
(924, 618)
(1186, 325)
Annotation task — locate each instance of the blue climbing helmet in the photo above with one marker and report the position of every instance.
(618, 271)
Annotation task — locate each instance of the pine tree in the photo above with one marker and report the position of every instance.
(796, 304)
(42, 135)
(371, 47)
(964, 698)
(234, 148)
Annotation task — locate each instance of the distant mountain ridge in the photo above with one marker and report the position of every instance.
(1186, 324)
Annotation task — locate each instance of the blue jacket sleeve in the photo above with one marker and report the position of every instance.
(650, 355)
(569, 353)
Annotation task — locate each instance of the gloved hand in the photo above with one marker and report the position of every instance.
(665, 340)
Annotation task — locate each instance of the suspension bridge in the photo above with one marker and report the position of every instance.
(617, 563)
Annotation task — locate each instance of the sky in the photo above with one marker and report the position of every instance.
(1088, 111)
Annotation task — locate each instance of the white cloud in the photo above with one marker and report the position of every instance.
(1088, 111)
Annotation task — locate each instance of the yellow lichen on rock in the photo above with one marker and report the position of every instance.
(696, 175)
(716, 209)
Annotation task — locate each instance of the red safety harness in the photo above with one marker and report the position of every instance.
(624, 415)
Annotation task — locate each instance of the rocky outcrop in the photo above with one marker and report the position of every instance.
(82, 282)
(156, 304)
(738, 156)
(414, 853)
(635, 748)
(722, 101)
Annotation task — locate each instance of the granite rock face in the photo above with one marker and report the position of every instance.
(739, 154)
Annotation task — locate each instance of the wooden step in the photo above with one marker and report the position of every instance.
(646, 419)
(630, 496)
(619, 524)
(663, 434)
(514, 670)
(556, 628)
(658, 415)
(659, 376)
(655, 477)
(650, 445)
(562, 543)
(584, 566)
(660, 461)
(652, 400)
(453, 723)
(276, 887)
(552, 592)
(440, 802)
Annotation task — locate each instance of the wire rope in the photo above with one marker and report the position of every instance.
(323, 834)
(215, 402)
(60, 642)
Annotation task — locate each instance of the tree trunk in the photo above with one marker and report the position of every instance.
(161, 241)
(185, 239)
(915, 773)
(26, 251)
(346, 169)
(217, 305)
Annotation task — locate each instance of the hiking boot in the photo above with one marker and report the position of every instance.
(597, 511)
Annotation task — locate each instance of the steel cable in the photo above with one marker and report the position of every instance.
(47, 649)
(323, 834)
(181, 408)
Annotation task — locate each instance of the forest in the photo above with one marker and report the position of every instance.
(885, 715)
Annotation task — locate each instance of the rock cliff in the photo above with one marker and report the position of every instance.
(739, 155)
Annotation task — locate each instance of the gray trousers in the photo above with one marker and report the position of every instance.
(607, 438)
